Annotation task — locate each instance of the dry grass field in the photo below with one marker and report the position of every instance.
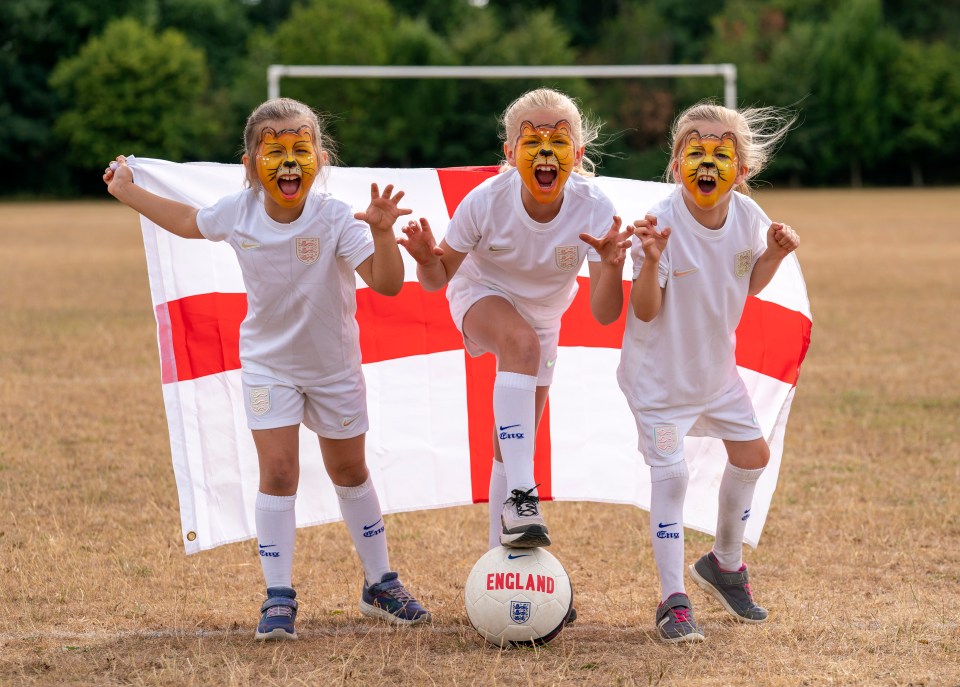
(859, 562)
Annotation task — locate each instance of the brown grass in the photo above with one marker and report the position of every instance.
(859, 563)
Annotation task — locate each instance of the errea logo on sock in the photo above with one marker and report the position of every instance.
(268, 554)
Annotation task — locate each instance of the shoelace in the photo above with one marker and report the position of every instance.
(525, 502)
(400, 593)
(680, 614)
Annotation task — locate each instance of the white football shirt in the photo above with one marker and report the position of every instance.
(535, 263)
(686, 354)
(301, 288)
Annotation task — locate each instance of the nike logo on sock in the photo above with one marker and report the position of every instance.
(669, 524)
(367, 527)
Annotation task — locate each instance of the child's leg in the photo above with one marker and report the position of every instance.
(747, 459)
(495, 325)
(279, 458)
(498, 476)
(668, 488)
(345, 461)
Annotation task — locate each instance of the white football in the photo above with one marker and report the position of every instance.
(518, 596)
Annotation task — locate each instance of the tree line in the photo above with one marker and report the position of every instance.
(874, 83)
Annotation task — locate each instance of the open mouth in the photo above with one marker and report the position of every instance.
(289, 185)
(707, 181)
(546, 176)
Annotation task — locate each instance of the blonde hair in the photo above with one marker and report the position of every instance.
(285, 110)
(759, 130)
(585, 130)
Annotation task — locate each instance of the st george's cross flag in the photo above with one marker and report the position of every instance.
(430, 443)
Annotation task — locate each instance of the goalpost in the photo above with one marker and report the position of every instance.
(728, 71)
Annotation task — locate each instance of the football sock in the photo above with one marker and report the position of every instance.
(668, 487)
(361, 513)
(514, 411)
(276, 522)
(498, 494)
(736, 495)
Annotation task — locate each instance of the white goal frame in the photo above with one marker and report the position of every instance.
(629, 71)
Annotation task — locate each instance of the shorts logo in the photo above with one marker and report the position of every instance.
(347, 421)
(308, 249)
(666, 439)
(260, 400)
(567, 257)
(742, 263)
(520, 611)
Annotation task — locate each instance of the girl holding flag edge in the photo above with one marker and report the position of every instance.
(299, 348)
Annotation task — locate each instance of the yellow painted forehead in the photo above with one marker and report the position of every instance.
(270, 135)
(695, 138)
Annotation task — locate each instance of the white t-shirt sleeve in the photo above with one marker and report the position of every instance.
(354, 242)
(463, 232)
(602, 220)
(219, 221)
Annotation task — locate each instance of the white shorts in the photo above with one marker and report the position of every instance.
(729, 416)
(467, 292)
(333, 411)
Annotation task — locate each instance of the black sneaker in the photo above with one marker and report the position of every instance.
(675, 621)
(732, 589)
(523, 526)
(389, 599)
(277, 615)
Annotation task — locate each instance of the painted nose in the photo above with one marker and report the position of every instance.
(290, 163)
(546, 152)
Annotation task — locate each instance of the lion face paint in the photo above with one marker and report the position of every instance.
(709, 166)
(286, 164)
(545, 156)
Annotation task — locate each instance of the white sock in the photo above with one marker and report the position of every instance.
(361, 513)
(668, 488)
(736, 495)
(514, 411)
(498, 494)
(276, 522)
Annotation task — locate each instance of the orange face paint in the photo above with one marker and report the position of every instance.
(545, 156)
(709, 166)
(286, 164)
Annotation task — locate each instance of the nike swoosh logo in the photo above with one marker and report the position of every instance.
(683, 273)
(266, 546)
(500, 249)
(367, 527)
(347, 421)
(247, 245)
(502, 428)
(551, 363)
(669, 524)
(512, 557)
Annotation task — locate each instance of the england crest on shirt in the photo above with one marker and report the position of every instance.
(308, 249)
(743, 261)
(567, 257)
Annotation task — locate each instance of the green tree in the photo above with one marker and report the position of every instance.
(131, 90)
(926, 85)
(34, 34)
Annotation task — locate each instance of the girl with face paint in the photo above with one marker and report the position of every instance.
(701, 252)
(299, 343)
(510, 258)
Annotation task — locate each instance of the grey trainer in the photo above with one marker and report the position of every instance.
(675, 621)
(732, 589)
(523, 526)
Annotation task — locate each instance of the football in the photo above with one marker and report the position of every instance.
(518, 597)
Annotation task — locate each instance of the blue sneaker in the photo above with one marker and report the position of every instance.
(389, 600)
(277, 615)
